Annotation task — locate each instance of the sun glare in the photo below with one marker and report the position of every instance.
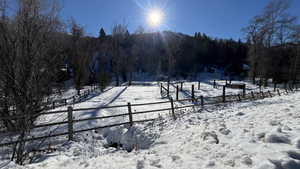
(155, 17)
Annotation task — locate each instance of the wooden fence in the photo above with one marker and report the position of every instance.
(196, 101)
(228, 84)
(70, 121)
(71, 100)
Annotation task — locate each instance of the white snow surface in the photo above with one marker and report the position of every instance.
(263, 134)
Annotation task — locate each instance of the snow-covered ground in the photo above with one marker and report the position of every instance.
(263, 134)
(135, 94)
(116, 96)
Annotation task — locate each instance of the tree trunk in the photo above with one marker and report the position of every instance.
(117, 79)
(130, 78)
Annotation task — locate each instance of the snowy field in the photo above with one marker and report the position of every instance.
(113, 96)
(263, 134)
(116, 96)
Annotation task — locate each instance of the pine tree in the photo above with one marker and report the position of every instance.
(102, 33)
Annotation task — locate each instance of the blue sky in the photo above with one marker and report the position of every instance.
(216, 18)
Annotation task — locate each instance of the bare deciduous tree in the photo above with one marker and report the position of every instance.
(29, 53)
(79, 56)
(118, 54)
(269, 32)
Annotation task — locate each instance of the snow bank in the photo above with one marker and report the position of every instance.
(135, 137)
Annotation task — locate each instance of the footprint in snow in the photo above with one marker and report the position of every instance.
(224, 131)
(277, 138)
(175, 158)
(140, 164)
(247, 161)
(286, 110)
(155, 163)
(294, 155)
(240, 114)
(274, 123)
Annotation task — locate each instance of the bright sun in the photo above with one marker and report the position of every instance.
(155, 17)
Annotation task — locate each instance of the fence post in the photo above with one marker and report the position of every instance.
(168, 87)
(224, 92)
(202, 101)
(286, 91)
(260, 86)
(252, 94)
(65, 102)
(161, 88)
(291, 88)
(193, 93)
(130, 114)
(172, 107)
(226, 82)
(239, 97)
(262, 93)
(70, 122)
(270, 93)
(177, 92)
(168, 91)
(278, 92)
(244, 90)
(181, 86)
(214, 83)
(275, 85)
(53, 105)
(198, 85)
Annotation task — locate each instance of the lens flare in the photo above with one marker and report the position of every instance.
(155, 17)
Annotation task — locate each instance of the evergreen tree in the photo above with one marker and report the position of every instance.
(102, 33)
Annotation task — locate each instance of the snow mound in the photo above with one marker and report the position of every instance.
(136, 137)
(83, 149)
(113, 136)
(277, 138)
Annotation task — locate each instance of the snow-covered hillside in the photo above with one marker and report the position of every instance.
(263, 134)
